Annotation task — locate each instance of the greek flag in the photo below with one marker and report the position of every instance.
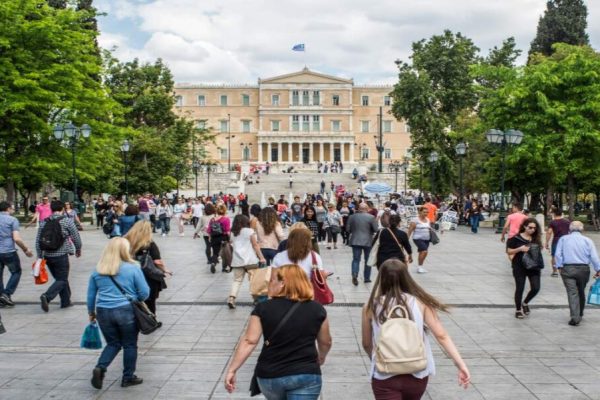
(298, 47)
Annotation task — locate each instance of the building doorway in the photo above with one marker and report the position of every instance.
(337, 155)
(274, 155)
(305, 155)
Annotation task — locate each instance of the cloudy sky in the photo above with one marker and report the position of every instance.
(238, 41)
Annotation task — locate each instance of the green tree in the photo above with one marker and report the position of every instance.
(564, 21)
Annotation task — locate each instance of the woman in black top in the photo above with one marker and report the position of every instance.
(516, 247)
(310, 220)
(289, 363)
(393, 242)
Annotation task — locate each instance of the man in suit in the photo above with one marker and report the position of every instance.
(361, 227)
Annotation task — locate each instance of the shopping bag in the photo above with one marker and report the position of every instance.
(259, 282)
(594, 295)
(39, 271)
(91, 337)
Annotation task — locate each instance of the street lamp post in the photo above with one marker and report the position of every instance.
(395, 167)
(433, 158)
(195, 166)
(72, 134)
(125, 150)
(461, 151)
(405, 169)
(503, 138)
(208, 167)
(421, 165)
(228, 142)
(178, 167)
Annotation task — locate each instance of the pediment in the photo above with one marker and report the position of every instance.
(307, 76)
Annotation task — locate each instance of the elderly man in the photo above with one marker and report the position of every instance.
(361, 227)
(574, 254)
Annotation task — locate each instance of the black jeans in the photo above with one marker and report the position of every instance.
(215, 244)
(99, 220)
(59, 268)
(331, 236)
(208, 249)
(322, 234)
(521, 274)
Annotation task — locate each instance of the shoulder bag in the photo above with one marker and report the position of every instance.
(533, 260)
(254, 388)
(322, 292)
(372, 260)
(146, 321)
(433, 237)
(259, 280)
(150, 269)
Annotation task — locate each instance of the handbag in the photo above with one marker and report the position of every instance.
(150, 269)
(594, 294)
(372, 260)
(533, 260)
(39, 271)
(322, 292)
(259, 282)
(335, 229)
(433, 237)
(146, 320)
(91, 337)
(254, 388)
(226, 254)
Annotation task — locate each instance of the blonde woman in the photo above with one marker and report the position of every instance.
(140, 240)
(113, 310)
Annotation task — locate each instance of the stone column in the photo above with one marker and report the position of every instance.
(279, 152)
(321, 158)
(352, 152)
(310, 152)
(290, 151)
(331, 152)
(342, 152)
(269, 159)
(259, 152)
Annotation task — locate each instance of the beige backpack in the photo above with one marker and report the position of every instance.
(400, 348)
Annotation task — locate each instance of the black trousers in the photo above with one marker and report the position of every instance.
(59, 268)
(521, 275)
(208, 249)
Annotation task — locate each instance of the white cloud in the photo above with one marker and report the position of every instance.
(241, 40)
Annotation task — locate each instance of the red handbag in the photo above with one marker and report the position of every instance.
(322, 292)
(40, 273)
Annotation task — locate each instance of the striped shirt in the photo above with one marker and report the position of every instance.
(72, 241)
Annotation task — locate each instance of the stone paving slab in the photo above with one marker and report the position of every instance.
(540, 357)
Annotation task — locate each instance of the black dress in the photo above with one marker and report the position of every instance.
(388, 247)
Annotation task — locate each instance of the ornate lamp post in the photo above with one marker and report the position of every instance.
(461, 151)
(433, 158)
(209, 167)
(395, 167)
(72, 134)
(503, 138)
(125, 150)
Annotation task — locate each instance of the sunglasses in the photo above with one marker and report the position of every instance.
(531, 227)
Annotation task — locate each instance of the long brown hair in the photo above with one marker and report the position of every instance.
(535, 237)
(299, 245)
(268, 219)
(391, 283)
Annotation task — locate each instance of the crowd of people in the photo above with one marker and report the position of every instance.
(290, 238)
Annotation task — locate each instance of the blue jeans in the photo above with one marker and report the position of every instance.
(474, 221)
(356, 253)
(13, 263)
(165, 225)
(120, 331)
(292, 387)
(59, 268)
(269, 255)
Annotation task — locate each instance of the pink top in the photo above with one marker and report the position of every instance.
(225, 224)
(43, 210)
(515, 220)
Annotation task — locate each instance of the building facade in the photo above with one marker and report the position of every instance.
(296, 119)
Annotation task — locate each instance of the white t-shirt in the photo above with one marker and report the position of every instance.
(243, 252)
(197, 210)
(306, 264)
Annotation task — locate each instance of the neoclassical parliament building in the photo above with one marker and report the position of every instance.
(299, 118)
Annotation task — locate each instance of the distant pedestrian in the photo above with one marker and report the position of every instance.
(42, 211)
(131, 216)
(291, 180)
(361, 228)
(420, 230)
(114, 312)
(513, 221)
(574, 254)
(393, 243)
(218, 231)
(164, 213)
(56, 239)
(333, 225)
(322, 186)
(474, 215)
(178, 210)
(9, 237)
(557, 228)
(201, 229)
(269, 233)
(517, 246)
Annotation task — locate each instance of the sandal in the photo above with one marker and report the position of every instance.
(519, 315)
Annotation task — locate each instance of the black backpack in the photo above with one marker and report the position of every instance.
(51, 236)
(216, 229)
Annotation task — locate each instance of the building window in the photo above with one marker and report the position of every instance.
(336, 100)
(275, 100)
(246, 126)
(305, 98)
(316, 98)
(275, 126)
(295, 122)
(365, 100)
(364, 126)
(305, 122)
(245, 100)
(223, 99)
(316, 123)
(201, 100)
(201, 124)
(224, 126)
(223, 154)
(387, 101)
(247, 153)
(387, 126)
(387, 154)
(336, 125)
(178, 101)
(364, 153)
(295, 98)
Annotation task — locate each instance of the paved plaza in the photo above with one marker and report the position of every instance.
(540, 357)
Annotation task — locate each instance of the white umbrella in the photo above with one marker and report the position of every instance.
(378, 188)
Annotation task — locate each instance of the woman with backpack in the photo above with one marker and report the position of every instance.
(246, 254)
(218, 231)
(395, 321)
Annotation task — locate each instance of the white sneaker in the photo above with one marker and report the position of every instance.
(163, 234)
(421, 270)
(181, 234)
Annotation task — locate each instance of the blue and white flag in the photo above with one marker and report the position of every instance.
(298, 47)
